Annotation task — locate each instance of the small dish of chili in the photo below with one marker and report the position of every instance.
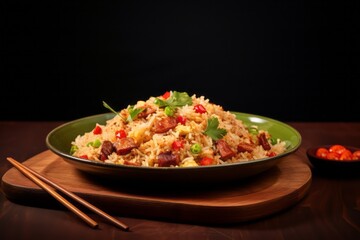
(336, 158)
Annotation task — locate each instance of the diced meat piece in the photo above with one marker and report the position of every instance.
(167, 159)
(146, 112)
(224, 149)
(165, 124)
(263, 141)
(245, 147)
(106, 149)
(124, 145)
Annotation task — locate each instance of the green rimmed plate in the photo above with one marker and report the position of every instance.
(59, 141)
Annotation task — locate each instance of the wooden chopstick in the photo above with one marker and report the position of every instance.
(33, 175)
(62, 200)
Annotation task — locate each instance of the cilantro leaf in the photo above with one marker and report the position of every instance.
(133, 112)
(177, 99)
(212, 129)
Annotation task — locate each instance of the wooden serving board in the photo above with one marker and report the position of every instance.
(267, 193)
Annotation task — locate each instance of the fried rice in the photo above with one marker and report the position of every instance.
(175, 130)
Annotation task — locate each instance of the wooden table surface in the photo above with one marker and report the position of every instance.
(330, 210)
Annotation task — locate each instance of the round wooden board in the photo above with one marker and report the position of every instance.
(248, 199)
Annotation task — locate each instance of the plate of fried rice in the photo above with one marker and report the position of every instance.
(174, 137)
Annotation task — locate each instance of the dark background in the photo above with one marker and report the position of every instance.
(288, 60)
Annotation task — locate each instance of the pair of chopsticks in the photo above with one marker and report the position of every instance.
(44, 183)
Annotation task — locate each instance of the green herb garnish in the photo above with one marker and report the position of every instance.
(133, 112)
(177, 99)
(108, 107)
(212, 129)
